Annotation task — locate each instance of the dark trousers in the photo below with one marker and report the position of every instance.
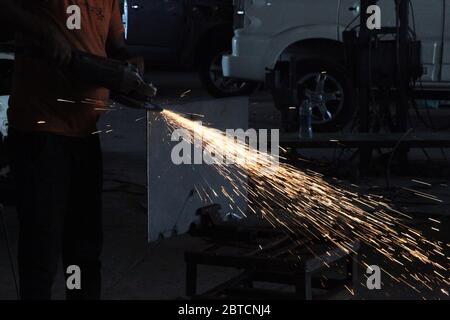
(59, 186)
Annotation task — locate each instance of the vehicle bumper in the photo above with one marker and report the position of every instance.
(242, 68)
(247, 60)
(6, 56)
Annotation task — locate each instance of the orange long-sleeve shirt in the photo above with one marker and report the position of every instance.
(43, 97)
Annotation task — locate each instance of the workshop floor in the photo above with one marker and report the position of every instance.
(134, 269)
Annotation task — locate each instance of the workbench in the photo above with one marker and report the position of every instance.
(262, 254)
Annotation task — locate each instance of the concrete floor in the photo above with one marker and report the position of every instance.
(134, 269)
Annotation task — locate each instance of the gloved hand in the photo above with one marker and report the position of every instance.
(139, 63)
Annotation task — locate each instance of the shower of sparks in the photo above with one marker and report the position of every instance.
(101, 105)
(65, 101)
(304, 203)
(184, 94)
(422, 182)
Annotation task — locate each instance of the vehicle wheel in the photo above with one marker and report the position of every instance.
(211, 74)
(331, 92)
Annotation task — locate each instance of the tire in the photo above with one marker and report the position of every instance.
(337, 96)
(211, 74)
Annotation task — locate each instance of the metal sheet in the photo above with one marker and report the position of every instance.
(171, 209)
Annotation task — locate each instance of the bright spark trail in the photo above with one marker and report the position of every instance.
(303, 203)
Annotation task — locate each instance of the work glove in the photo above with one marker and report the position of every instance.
(139, 63)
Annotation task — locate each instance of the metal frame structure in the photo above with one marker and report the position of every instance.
(359, 49)
(264, 255)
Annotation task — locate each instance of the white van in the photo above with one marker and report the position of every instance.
(270, 31)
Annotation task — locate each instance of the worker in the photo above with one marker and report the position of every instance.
(55, 154)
